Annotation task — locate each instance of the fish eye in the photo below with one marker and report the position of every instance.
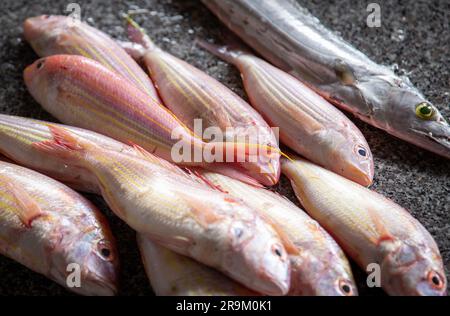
(435, 280)
(345, 287)
(104, 249)
(40, 64)
(276, 249)
(361, 151)
(424, 110)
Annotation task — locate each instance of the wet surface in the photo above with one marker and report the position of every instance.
(414, 37)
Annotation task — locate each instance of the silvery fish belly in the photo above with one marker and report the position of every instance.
(17, 135)
(292, 39)
(180, 213)
(54, 35)
(46, 226)
(318, 265)
(308, 123)
(195, 97)
(171, 274)
(372, 229)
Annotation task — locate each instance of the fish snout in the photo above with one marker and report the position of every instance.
(34, 27)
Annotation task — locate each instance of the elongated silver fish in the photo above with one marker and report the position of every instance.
(371, 229)
(46, 226)
(176, 275)
(291, 38)
(318, 265)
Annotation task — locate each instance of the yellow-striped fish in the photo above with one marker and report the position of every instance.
(192, 94)
(54, 231)
(182, 214)
(54, 35)
(318, 265)
(372, 229)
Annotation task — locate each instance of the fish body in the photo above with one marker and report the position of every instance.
(46, 226)
(371, 229)
(292, 39)
(81, 92)
(308, 123)
(192, 94)
(171, 274)
(318, 265)
(56, 35)
(182, 214)
(17, 135)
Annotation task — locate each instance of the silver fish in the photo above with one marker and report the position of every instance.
(291, 38)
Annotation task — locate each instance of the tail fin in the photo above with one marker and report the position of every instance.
(229, 53)
(137, 34)
(63, 145)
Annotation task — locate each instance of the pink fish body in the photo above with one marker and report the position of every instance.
(55, 35)
(192, 94)
(52, 230)
(308, 123)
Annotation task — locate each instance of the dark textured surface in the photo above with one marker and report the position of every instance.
(415, 179)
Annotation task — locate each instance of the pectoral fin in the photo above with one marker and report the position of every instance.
(27, 208)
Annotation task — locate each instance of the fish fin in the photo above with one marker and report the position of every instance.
(137, 34)
(28, 209)
(233, 171)
(384, 234)
(157, 160)
(198, 174)
(203, 213)
(225, 52)
(64, 144)
(135, 50)
(179, 244)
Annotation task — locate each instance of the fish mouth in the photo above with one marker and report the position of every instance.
(361, 174)
(439, 144)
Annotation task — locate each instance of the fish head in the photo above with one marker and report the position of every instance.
(46, 33)
(410, 269)
(98, 262)
(348, 154)
(321, 271)
(407, 114)
(258, 254)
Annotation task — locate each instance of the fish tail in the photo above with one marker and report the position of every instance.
(64, 144)
(228, 52)
(137, 34)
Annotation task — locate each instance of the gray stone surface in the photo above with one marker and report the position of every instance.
(418, 180)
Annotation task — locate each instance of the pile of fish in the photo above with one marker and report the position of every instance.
(206, 227)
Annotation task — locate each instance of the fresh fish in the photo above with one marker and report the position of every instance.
(318, 265)
(55, 35)
(292, 39)
(182, 214)
(308, 124)
(371, 229)
(171, 274)
(81, 92)
(17, 135)
(46, 226)
(192, 94)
